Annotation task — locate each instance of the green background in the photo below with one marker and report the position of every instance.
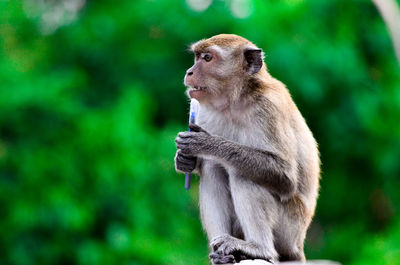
(92, 97)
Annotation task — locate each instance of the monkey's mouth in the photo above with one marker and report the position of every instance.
(197, 92)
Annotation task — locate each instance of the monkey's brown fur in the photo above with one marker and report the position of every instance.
(257, 160)
(222, 40)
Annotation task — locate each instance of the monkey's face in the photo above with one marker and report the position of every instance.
(215, 72)
(221, 67)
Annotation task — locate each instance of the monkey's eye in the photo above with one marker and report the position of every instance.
(207, 57)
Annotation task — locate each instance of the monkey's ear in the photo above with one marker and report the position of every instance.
(253, 60)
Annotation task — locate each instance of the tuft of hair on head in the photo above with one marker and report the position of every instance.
(221, 40)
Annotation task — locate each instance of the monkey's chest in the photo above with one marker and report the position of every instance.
(241, 132)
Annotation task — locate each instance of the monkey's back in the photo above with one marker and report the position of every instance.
(302, 142)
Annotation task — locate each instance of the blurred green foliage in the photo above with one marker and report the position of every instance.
(91, 98)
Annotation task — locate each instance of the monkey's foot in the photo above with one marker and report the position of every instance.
(239, 249)
(220, 258)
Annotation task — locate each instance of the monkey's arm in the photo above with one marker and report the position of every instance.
(263, 167)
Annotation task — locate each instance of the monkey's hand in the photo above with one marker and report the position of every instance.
(194, 142)
(184, 163)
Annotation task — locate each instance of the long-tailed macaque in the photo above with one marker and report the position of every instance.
(257, 159)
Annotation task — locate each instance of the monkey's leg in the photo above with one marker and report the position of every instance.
(290, 232)
(257, 212)
(216, 207)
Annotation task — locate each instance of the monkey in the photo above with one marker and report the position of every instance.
(257, 160)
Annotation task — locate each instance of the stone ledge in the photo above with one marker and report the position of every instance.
(309, 262)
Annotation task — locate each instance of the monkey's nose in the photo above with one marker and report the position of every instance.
(189, 73)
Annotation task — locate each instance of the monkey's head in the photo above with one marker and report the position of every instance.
(223, 65)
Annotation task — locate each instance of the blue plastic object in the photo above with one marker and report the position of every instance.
(187, 174)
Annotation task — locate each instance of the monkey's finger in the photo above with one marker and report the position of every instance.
(220, 258)
(185, 161)
(216, 254)
(185, 134)
(179, 144)
(188, 157)
(216, 245)
(192, 142)
(185, 148)
(228, 248)
(196, 128)
(181, 140)
(185, 168)
(230, 259)
(213, 255)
